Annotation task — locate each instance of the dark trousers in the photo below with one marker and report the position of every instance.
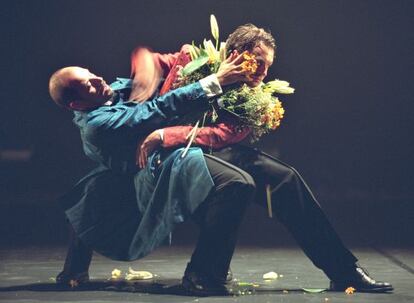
(295, 206)
(78, 256)
(218, 218)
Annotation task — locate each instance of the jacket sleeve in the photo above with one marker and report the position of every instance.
(148, 69)
(167, 61)
(216, 136)
(163, 62)
(150, 115)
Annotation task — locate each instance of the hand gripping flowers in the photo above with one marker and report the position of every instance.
(256, 107)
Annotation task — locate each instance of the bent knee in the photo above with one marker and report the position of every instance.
(245, 181)
(248, 181)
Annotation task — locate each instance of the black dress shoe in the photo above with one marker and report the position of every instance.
(361, 281)
(201, 286)
(72, 279)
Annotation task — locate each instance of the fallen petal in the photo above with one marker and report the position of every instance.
(270, 276)
(116, 274)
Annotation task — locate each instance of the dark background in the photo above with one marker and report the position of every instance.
(348, 127)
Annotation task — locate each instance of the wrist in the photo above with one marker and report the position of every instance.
(160, 133)
(211, 86)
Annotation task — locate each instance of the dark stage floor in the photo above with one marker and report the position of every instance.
(26, 275)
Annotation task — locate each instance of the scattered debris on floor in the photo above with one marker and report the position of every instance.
(131, 275)
(138, 275)
(116, 274)
(73, 283)
(314, 290)
(248, 284)
(270, 276)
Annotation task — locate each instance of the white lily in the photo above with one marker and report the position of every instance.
(214, 27)
(213, 54)
(193, 52)
(222, 51)
(278, 86)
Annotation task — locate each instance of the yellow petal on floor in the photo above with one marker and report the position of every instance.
(270, 276)
(138, 275)
(116, 274)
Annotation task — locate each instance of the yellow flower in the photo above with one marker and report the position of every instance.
(249, 64)
(350, 290)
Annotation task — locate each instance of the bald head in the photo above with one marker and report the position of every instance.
(60, 86)
(75, 86)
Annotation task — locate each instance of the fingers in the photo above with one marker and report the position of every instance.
(231, 57)
(238, 58)
(143, 156)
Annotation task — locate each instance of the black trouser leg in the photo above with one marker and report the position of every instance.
(219, 218)
(295, 206)
(78, 257)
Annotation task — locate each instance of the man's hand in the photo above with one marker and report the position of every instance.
(146, 75)
(231, 70)
(150, 143)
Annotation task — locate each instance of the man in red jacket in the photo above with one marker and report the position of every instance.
(292, 201)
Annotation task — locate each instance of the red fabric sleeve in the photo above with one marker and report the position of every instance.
(162, 61)
(183, 58)
(167, 61)
(147, 69)
(216, 136)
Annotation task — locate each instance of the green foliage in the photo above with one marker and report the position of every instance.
(196, 64)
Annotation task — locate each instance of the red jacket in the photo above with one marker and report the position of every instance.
(146, 64)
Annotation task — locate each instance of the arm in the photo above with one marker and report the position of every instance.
(148, 69)
(167, 62)
(167, 108)
(109, 133)
(216, 136)
(150, 115)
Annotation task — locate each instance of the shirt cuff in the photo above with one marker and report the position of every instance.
(211, 86)
(161, 133)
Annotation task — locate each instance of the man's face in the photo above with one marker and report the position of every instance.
(91, 88)
(264, 57)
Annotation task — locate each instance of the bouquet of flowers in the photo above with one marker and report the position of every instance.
(256, 107)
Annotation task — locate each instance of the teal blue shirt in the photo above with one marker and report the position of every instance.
(120, 211)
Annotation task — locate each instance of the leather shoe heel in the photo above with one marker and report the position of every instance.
(200, 286)
(72, 280)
